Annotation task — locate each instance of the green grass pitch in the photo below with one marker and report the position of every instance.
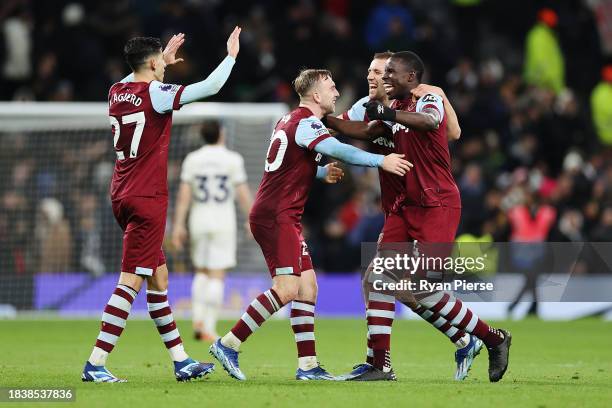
(552, 364)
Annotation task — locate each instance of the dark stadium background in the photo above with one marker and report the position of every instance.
(522, 144)
(537, 141)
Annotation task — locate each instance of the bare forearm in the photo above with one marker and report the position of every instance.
(416, 120)
(183, 201)
(453, 129)
(245, 200)
(351, 128)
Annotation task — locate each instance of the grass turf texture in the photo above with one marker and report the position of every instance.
(553, 364)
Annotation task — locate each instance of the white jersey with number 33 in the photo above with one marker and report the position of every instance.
(213, 172)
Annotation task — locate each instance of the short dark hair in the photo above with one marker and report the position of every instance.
(308, 78)
(211, 131)
(412, 62)
(138, 49)
(383, 55)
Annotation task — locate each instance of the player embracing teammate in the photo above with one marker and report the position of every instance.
(297, 143)
(392, 194)
(426, 213)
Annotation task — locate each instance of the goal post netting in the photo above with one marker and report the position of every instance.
(58, 236)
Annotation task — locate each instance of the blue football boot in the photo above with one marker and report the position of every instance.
(189, 369)
(228, 359)
(317, 373)
(357, 371)
(92, 373)
(464, 357)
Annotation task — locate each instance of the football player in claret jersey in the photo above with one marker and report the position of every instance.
(392, 193)
(140, 112)
(431, 210)
(298, 141)
(211, 177)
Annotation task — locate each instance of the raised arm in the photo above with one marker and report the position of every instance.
(169, 53)
(168, 97)
(452, 122)
(453, 129)
(213, 83)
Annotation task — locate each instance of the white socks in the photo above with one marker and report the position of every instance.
(307, 363)
(207, 300)
(463, 341)
(198, 288)
(230, 340)
(213, 300)
(177, 353)
(98, 357)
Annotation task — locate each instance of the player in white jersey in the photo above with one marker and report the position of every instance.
(212, 177)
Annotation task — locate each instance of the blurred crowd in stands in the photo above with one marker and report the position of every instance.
(529, 81)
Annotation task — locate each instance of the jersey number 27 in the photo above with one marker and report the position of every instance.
(139, 119)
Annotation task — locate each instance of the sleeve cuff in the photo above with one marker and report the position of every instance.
(318, 140)
(176, 105)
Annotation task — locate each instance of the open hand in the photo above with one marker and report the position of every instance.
(172, 47)
(233, 43)
(424, 89)
(334, 173)
(179, 236)
(394, 163)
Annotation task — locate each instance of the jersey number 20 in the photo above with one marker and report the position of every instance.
(281, 137)
(139, 119)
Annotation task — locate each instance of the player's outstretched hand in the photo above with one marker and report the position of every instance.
(394, 163)
(377, 110)
(233, 42)
(334, 173)
(179, 235)
(424, 89)
(172, 47)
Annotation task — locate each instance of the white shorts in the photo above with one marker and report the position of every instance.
(214, 250)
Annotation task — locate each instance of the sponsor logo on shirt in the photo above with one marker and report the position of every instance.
(168, 87)
(430, 98)
(316, 125)
(397, 127)
(383, 141)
